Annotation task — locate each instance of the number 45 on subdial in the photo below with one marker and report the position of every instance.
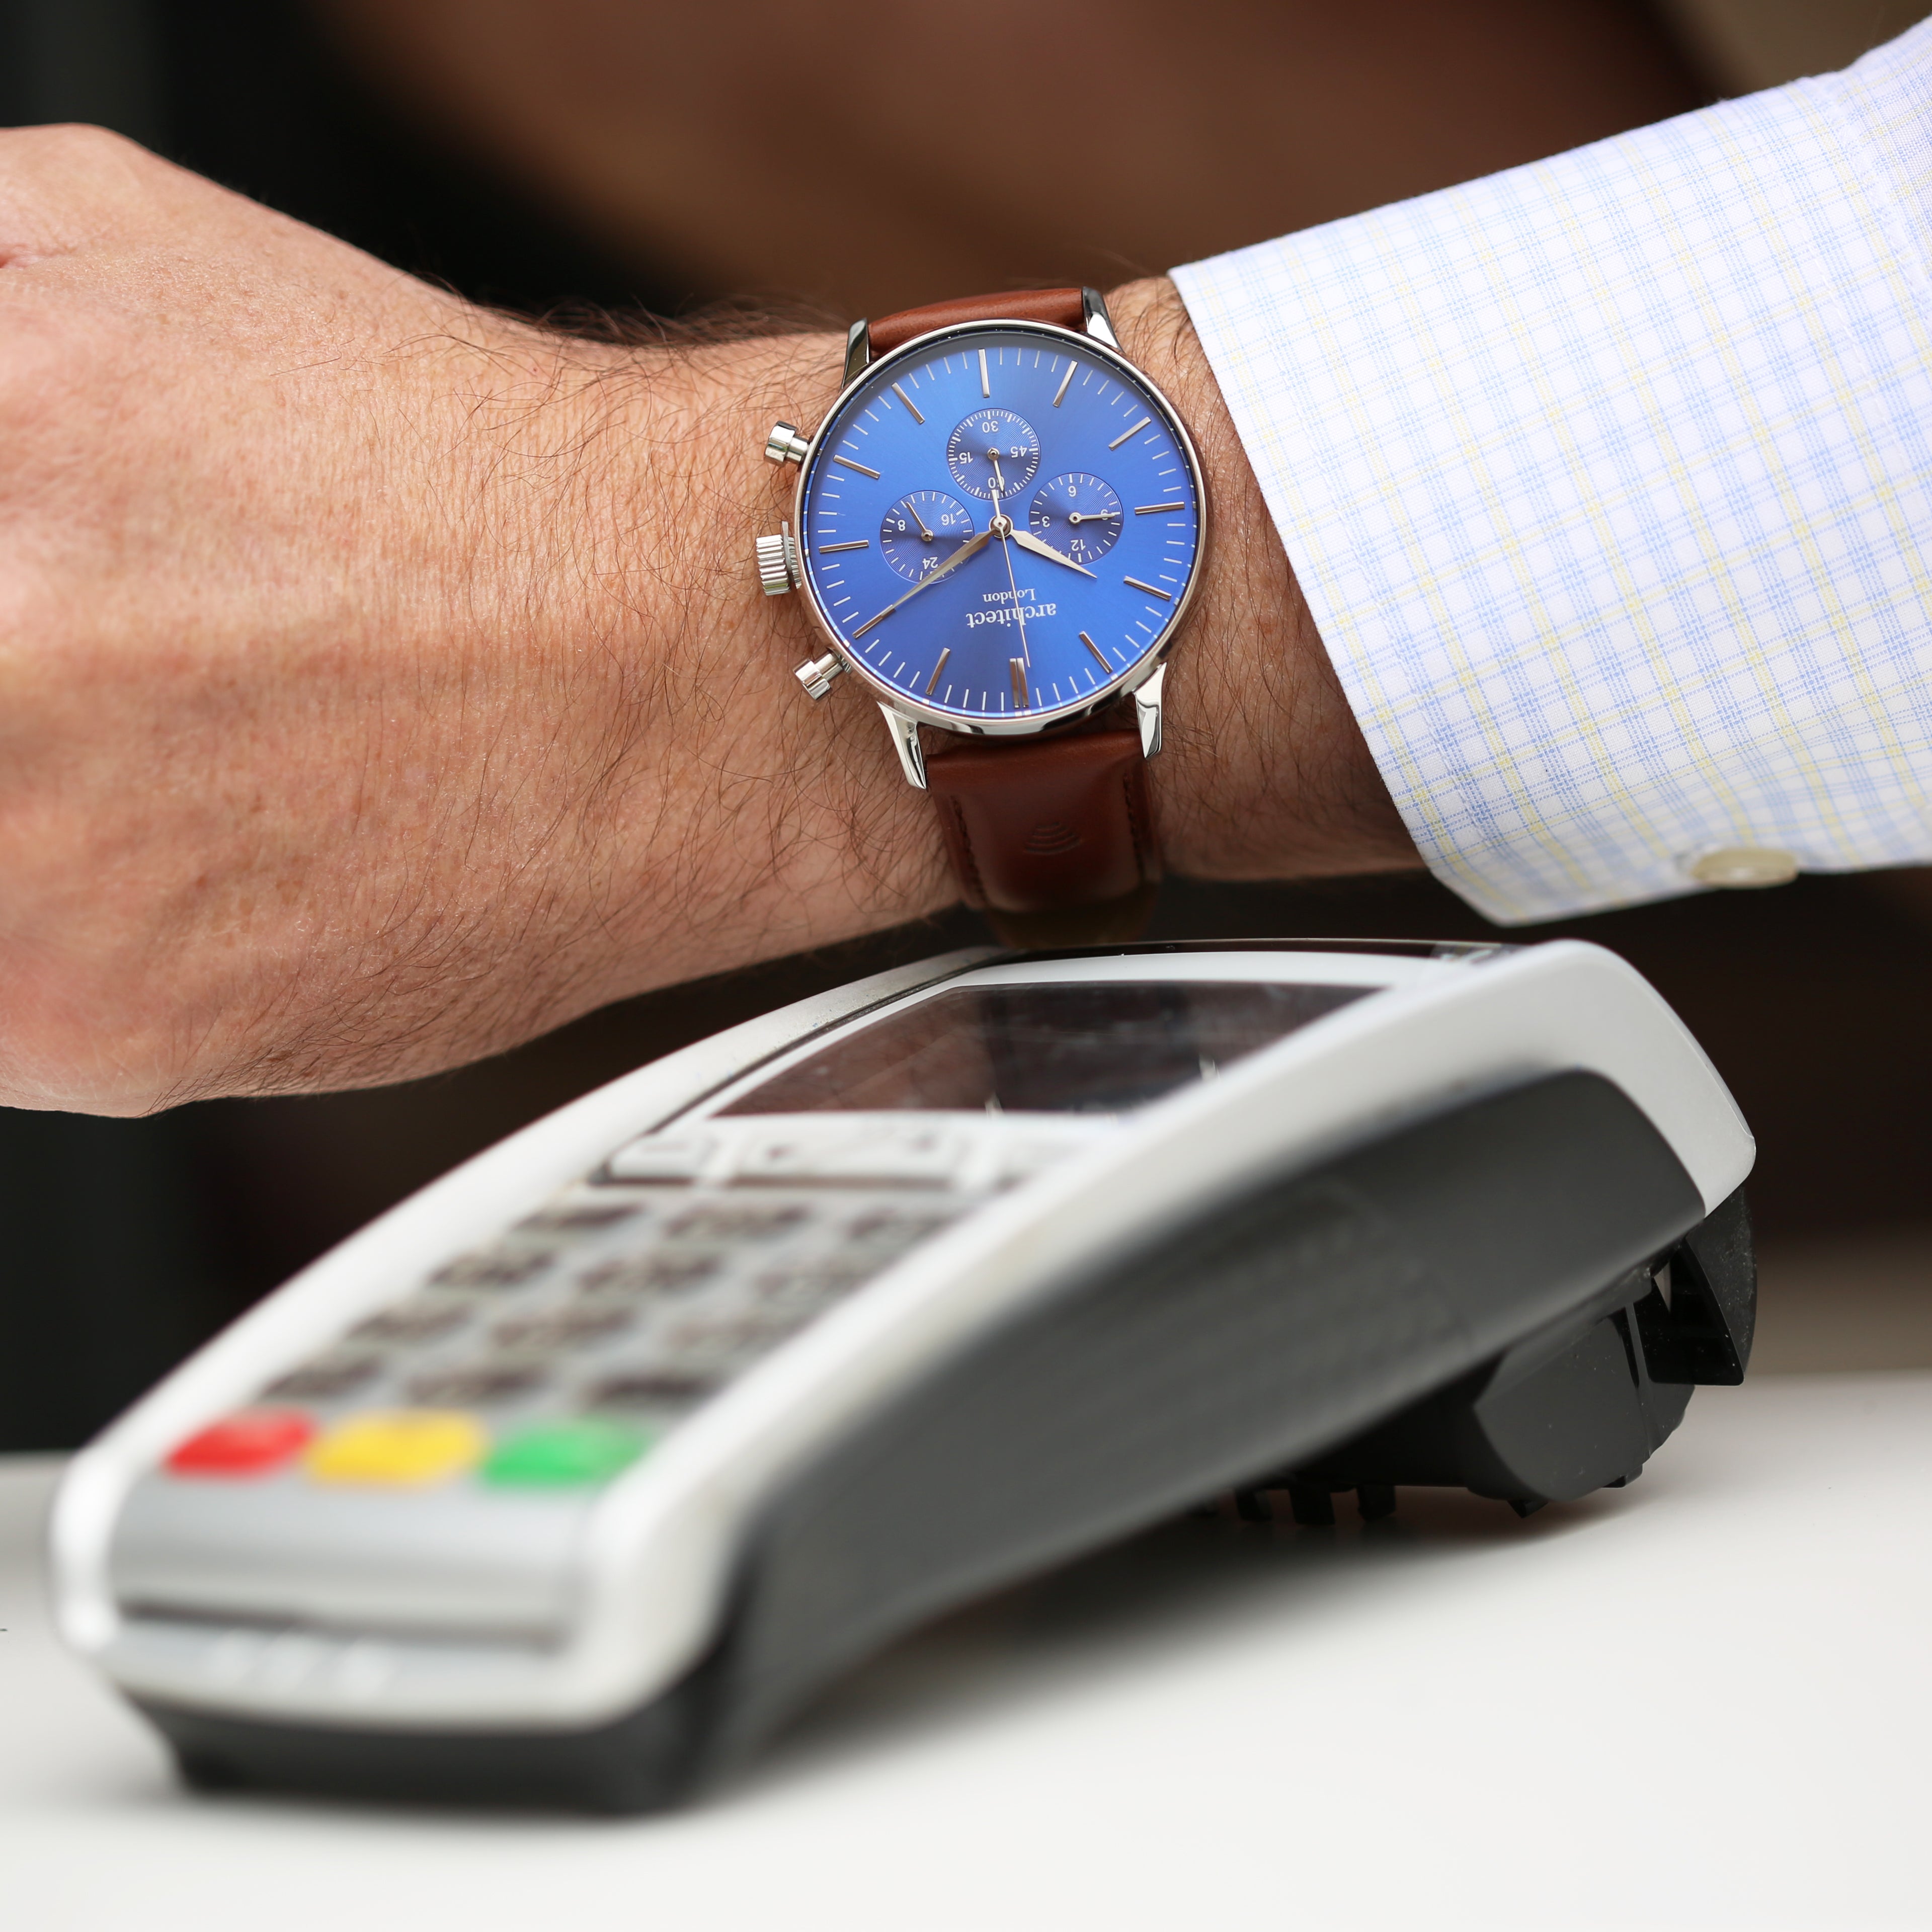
(1078, 514)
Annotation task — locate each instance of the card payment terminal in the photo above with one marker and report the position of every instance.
(569, 1478)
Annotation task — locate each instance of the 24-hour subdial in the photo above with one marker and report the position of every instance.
(994, 452)
(921, 530)
(1078, 514)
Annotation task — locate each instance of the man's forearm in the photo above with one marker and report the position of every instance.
(382, 681)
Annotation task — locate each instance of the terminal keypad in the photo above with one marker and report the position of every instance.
(561, 1349)
(618, 1305)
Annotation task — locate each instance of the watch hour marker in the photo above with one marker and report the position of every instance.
(985, 386)
(1100, 655)
(931, 681)
(1059, 394)
(861, 468)
(912, 408)
(826, 549)
(1017, 666)
(1156, 509)
(1126, 433)
(1134, 582)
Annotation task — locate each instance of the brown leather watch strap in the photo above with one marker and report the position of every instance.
(1062, 307)
(1051, 837)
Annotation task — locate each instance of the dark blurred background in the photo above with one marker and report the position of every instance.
(548, 155)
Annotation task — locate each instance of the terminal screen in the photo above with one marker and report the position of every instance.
(1049, 1047)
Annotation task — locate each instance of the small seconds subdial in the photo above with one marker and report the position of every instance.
(921, 530)
(992, 452)
(1078, 514)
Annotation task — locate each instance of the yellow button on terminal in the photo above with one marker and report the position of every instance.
(399, 1446)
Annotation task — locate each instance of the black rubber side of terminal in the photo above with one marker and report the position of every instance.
(1484, 1256)
(645, 1760)
(1288, 1322)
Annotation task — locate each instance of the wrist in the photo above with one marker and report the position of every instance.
(743, 821)
(1265, 773)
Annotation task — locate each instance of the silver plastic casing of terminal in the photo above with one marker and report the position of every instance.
(562, 1613)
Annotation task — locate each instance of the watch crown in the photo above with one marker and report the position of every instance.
(785, 444)
(816, 674)
(777, 562)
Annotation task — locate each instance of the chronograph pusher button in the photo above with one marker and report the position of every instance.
(785, 444)
(816, 674)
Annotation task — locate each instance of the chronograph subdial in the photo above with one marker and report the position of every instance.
(921, 530)
(994, 452)
(1078, 514)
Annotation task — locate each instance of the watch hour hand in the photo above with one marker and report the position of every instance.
(952, 562)
(1027, 541)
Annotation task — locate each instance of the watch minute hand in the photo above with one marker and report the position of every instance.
(1027, 541)
(952, 562)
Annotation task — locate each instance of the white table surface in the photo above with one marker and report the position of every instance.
(1704, 1700)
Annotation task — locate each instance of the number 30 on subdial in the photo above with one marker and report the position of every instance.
(1078, 514)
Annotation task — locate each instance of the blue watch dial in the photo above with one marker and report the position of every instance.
(1000, 525)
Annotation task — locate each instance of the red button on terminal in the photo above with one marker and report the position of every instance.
(251, 1444)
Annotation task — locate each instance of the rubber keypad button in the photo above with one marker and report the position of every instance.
(563, 1455)
(494, 1268)
(251, 1444)
(324, 1380)
(473, 1387)
(399, 1447)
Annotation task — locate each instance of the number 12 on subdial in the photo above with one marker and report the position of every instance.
(1078, 514)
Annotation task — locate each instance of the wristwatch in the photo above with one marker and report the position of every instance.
(999, 527)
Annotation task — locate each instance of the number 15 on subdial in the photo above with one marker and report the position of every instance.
(921, 530)
(1078, 514)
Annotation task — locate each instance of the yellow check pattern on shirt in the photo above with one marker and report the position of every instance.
(1608, 480)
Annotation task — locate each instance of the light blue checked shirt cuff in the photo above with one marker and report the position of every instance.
(1608, 480)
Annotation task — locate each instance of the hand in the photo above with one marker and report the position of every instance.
(1002, 527)
(952, 562)
(1027, 541)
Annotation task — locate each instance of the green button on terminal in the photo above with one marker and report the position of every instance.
(562, 1455)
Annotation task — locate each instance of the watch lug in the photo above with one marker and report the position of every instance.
(858, 350)
(1147, 704)
(905, 733)
(1095, 319)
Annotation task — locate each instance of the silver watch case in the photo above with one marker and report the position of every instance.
(1097, 340)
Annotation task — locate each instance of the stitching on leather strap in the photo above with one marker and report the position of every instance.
(975, 885)
(1140, 822)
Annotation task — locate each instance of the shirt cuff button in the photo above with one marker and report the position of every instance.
(1743, 866)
